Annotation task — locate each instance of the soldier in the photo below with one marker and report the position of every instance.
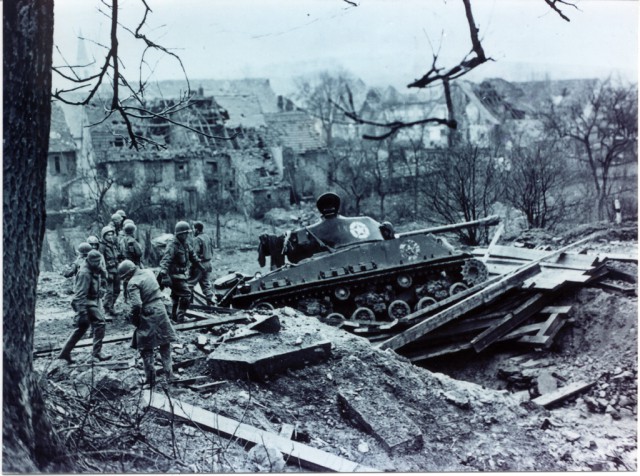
(94, 242)
(116, 223)
(174, 270)
(131, 249)
(86, 304)
(149, 316)
(203, 249)
(72, 269)
(112, 257)
(122, 213)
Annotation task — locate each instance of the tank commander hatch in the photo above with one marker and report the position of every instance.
(333, 231)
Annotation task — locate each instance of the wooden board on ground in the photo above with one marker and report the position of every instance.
(207, 387)
(562, 393)
(509, 322)
(474, 301)
(214, 321)
(307, 456)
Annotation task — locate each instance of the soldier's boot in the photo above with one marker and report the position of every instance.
(149, 369)
(183, 305)
(167, 361)
(98, 337)
(174, 309)
(65, 353)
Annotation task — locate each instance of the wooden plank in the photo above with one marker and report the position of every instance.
(286, 431)
(215, 321)
(115, 365)
(626, 290)
(556, 310)
(207, 387)
(621, 275)
(459, 347)
(494, 240)
(510, 322)
(307, 456)
(418, 316)
(484, 296)
(190, 380)
(562, 393)
(629, 257)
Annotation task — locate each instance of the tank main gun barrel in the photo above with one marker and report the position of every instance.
(487, 221)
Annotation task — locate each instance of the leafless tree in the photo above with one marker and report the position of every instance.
(318, 97)
(463, 183)
(537, 181)
(437, 74)
(602, 124)
(126, 97)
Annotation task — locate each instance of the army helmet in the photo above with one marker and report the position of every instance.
(328, 204)
(84, 248)
(117, 218)
(129, 228)
(122, 213)
(94, 258)
(106, 229)
(93, 241)
(182, 227)
(126, 268)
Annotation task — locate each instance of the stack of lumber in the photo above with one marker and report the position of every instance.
(515, 304)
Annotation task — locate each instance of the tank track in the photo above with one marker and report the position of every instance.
(383, 298)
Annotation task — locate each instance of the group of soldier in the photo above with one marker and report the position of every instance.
(104, 265)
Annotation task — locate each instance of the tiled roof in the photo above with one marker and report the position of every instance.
(244, 110)
(60, 138)
(295, 130)
(257, 87)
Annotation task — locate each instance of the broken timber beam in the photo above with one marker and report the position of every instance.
(477, 299)
(488, 294)
(512, 320)
(562, 393)
(307, 456)
(215, 321)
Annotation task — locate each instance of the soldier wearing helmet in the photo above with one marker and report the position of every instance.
(175, 267)
(149, 316)
(72, 269)
(94, 242)
(116, 223)
(86, 304)
(203, 247)
(112, 256)
(122, 213)
(131, 249)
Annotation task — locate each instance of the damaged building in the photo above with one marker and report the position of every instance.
(232, 150)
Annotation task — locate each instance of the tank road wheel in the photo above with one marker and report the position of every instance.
(262, 307)
(333, 319)
(457, 288)
(404, 281)
(398, 309)
(363, 314)
(474, 272)
(341, 293)
(425, 302)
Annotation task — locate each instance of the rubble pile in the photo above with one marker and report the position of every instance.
(281, 391)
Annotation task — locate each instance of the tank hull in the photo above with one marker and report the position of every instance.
(376, 281)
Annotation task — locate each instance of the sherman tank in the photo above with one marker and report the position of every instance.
(355, 268)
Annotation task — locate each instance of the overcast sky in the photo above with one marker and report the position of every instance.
(381, 41)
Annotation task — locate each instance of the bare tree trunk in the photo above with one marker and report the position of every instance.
(29, 444)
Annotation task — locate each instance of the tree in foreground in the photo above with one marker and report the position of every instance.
(29, 444)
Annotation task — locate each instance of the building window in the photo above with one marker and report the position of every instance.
(118, 141)
(182, 170)
(56, 164)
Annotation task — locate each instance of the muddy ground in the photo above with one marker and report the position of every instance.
(465, 412)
